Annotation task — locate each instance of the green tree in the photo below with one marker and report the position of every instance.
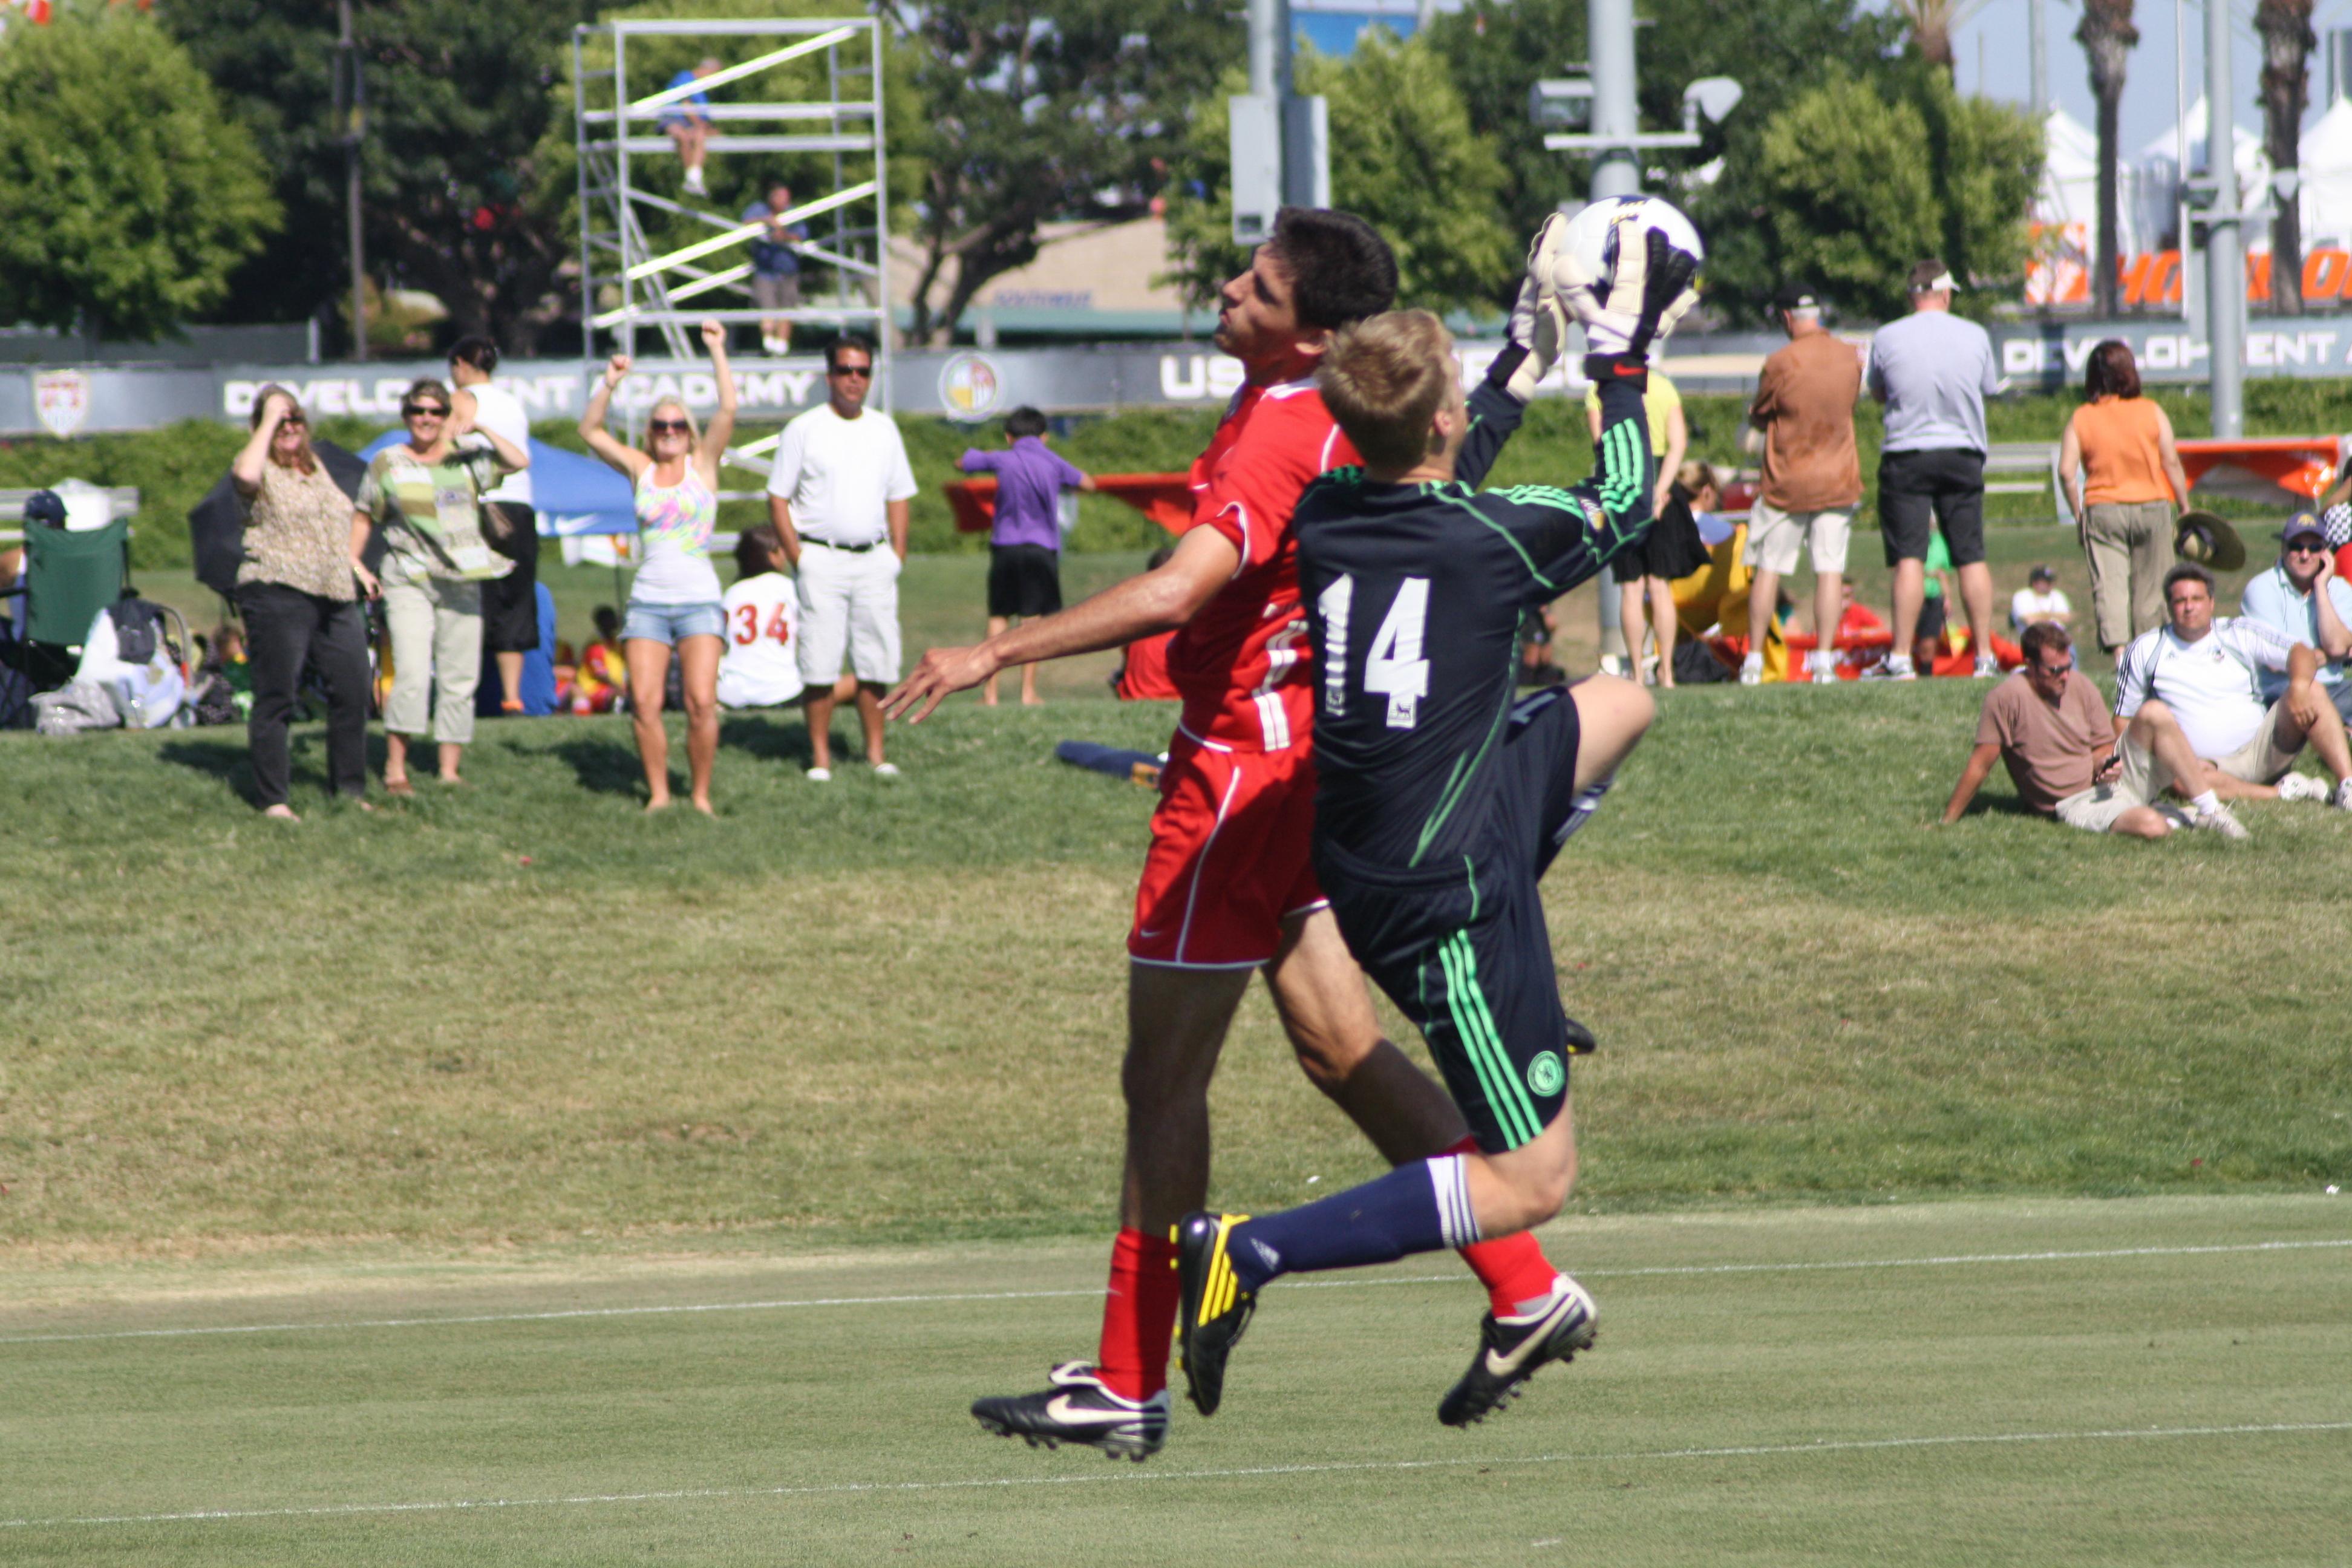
(458, 103)
(126, 194)
(1067, 110)
(1851, 186)
(1402, 154)
(1774, 49)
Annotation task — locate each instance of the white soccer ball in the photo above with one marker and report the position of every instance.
(1587, 253)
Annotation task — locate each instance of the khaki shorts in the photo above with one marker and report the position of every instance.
(1775, 537)
(2142, 782)
(2261, 761)
(783, 293)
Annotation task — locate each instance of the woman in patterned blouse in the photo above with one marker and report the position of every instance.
(300, 601)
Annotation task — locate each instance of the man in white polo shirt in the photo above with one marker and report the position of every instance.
(838, 495)
(2205, 674)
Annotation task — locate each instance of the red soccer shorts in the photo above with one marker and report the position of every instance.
(1229, 857)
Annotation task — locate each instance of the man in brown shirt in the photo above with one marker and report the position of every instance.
(2049, 724)
(1803, 413)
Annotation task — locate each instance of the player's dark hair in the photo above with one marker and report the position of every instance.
(1385, 381)
(474, 351)
(756, 550)
(2186, 571)
(1341, 270)
(2110, 372)
(846, 340)
(1023, 422)
(2040, 637)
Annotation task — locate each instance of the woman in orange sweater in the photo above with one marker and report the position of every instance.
(2124, 481)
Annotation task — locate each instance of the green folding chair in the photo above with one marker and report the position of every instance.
(70, 577)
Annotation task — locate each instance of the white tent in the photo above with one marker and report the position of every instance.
(2159, 171)
(2325, 197)
(2068, 200)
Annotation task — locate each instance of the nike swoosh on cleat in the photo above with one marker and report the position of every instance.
(1504, 1366)
(1060, 1409)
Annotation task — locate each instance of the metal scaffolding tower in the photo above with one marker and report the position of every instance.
(666, 289)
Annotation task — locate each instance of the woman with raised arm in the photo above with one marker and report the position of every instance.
(675, 603)
(426, 497)
(300, 601)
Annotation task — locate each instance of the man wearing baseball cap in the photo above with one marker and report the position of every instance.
(2304, 601)
(2040, 600)
(1932, 370)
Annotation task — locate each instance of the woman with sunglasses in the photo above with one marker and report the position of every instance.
(300, 601)
(675, 602)
(426, 497)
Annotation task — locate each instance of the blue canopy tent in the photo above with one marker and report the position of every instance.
(574, 495)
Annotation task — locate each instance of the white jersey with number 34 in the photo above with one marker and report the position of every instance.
(762, 666)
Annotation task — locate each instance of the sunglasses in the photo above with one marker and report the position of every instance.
(2052, 671)
(432, 410)
(865, 370)
(293, 422)
(2306, 550)
(669, 427)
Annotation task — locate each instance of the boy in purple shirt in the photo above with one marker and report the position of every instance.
(1024, 546)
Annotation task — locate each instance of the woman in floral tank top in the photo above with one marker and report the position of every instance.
(675, 602)
(299, 602)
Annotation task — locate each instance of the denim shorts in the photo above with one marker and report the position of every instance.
(672, 624)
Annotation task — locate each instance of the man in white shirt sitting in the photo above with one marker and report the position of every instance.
(2040, 600)
(2304, 601)
(760, 666)
(2204, 676)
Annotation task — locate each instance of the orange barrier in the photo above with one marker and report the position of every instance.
(2257, 470)
(1165, 499)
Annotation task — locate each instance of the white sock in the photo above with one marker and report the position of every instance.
(2206, 802)
(1753, 661)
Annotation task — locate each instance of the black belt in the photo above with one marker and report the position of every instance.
(851, 548)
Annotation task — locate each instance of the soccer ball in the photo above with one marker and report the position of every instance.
(1599, 263)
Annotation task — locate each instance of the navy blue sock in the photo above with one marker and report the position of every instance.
(1424, 1207)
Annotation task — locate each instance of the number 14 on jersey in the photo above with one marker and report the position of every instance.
(1393, 664)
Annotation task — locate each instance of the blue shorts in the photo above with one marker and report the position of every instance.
(673, 624)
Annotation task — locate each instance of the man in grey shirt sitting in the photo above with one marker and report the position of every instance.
(1932, 371)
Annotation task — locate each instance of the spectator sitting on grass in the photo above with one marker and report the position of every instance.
(2047, 724)
(761, 667)
(2304, 600)
(2040, 600)
(602, 674)
(1024, 543)
(2205, 674)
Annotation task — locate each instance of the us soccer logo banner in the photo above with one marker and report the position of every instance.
(61, 401)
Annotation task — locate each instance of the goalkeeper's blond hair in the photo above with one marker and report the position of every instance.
(1384, 379)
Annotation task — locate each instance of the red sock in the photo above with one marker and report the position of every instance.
(1140, 1315)
(1514, 1270)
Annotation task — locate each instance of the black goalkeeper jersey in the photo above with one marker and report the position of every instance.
(1415, 593)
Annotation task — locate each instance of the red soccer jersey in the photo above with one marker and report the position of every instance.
(1242, 663)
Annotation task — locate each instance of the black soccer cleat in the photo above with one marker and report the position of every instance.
(1212, 1307)
(1511, 1349)
(1079, 1409)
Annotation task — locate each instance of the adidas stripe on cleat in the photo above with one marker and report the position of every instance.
(1211, 1307)
(1079, 1409)
(1511, 1349)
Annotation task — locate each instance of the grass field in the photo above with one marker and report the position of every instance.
(504, 1176)
(2159, 1380)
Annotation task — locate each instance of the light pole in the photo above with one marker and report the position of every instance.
(2225, 242)
(350, 119)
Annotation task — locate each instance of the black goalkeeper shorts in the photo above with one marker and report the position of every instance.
(1462, 947)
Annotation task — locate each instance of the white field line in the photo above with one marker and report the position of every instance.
(1129, 1475)
(1953, 1260)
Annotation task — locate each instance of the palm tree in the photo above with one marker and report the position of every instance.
(1933, 23)
(2287, 41)
(2107, 36)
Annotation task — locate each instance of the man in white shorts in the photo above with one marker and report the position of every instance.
(2204, 675)
(1803, 418)
(838, 495)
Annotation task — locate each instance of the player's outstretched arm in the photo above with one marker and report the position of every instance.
(1140, 607)
(1538, 331)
